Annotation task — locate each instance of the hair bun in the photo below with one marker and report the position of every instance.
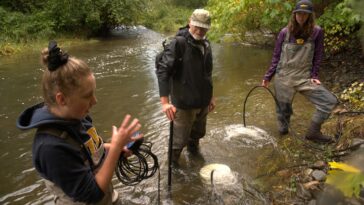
(56, 57)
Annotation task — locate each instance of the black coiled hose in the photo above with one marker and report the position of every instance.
(141, 165)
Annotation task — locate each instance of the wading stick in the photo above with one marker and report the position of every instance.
(170, 155)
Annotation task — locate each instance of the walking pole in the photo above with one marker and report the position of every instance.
(170, 155)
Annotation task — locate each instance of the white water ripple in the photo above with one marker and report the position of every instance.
(249, 136)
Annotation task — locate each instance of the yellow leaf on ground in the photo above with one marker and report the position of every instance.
(344, 167)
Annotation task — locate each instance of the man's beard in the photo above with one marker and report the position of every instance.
(197, 37)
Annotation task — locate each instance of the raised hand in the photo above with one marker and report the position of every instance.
(124, 134)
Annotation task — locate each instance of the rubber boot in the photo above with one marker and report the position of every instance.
(176, 153)
(193, 146)
(314, 134)
(283, 126)
(194, 154)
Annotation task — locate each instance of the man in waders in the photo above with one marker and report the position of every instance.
(296, 59)
(184, 74)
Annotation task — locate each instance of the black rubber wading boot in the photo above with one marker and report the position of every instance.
(176, 153)
(283, 131)
(314, 134)
(193, 146)
(282, 127)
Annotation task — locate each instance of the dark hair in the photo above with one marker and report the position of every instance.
(304, 32)
(64, 77)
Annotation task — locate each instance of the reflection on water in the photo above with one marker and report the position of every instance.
(126, 83)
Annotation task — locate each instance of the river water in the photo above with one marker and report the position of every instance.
(126, 83)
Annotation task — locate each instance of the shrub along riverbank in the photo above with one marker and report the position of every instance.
(25, 23)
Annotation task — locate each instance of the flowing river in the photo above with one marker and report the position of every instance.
(126, 83)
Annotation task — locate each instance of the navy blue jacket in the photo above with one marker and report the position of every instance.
(59, 161)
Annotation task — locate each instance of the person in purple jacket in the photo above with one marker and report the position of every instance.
(76, 164)
(295, 63)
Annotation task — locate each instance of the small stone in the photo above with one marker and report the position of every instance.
(319, 175)
(319, 165)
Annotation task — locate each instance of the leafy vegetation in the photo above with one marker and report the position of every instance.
(339, 22)
(358, 7)
(165, 17)
(168, 15)
(238, 17)
(346, 178)
(19, 27)
(190, 3)
(354, 95)
(23, 21)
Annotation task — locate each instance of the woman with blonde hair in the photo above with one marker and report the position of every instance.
(67, 151)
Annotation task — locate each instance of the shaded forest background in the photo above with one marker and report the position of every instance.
(24, 22)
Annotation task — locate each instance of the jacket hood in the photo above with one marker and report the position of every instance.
(38, 115)
(183, 31)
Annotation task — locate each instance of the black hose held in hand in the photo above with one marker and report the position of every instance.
(247, 96)
(141, 165)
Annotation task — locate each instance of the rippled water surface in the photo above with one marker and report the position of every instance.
(126, 83)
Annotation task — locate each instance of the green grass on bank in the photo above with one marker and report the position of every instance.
(8, 48)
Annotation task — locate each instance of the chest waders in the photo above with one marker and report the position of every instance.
(293, 74)
(60, 198)
(189, 124)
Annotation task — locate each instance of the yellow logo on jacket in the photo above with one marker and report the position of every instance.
(95, 146)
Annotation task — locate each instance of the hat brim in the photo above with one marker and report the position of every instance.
(302, 10)
(199, 24)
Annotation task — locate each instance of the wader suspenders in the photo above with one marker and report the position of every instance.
(57, 132)
(111, 197)
(286, 39)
